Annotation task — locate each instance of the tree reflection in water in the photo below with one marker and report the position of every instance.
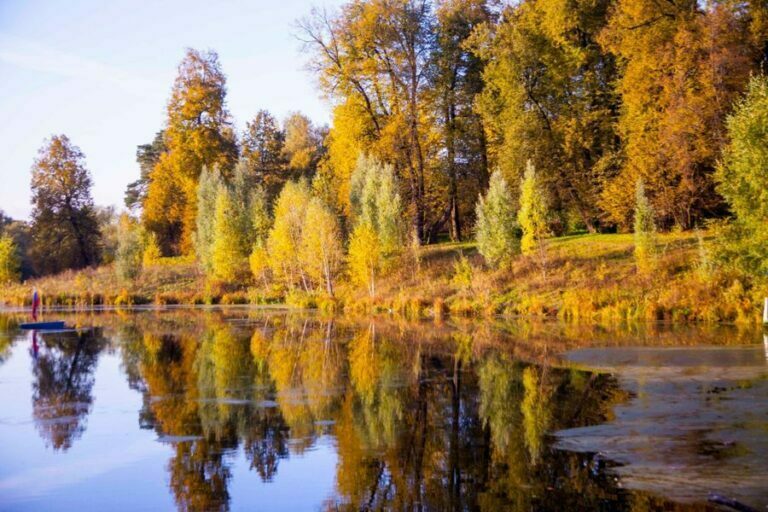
(421, 420)
(63, 381)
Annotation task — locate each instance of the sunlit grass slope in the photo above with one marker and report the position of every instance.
(579, 278)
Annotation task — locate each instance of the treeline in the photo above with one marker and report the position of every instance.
(583, 112)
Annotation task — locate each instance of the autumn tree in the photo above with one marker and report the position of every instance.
(321, 251)
(365, 257)
(682, 65)
(496, 229)
(64, 226)
(303, 145)
(10, 263)
(549, 98)
(285, 237)
(227, 250)
(197, 134)
(374, 58)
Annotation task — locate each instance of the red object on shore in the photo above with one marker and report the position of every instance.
(35, 304)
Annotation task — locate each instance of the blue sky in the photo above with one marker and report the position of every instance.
(101, 72)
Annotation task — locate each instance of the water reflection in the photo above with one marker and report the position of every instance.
(421, 417)
(63, 367)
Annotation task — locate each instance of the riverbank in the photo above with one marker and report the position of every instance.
(577, 278)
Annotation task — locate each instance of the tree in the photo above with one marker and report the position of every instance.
(147, 156)
(549, 98)
(303, 143)
(10, 263)
(262, 149)
(128, 257)
(321, 250)
(742, 178)
(532, 215)
(152, 251)
(227, 251)
(683, 64)
(645, 230)
(375, 200)
(207, 193)
(374, 58)
(198, 134)
(65, 230)
(496, 229)
(286, 234)
(743, 174)
(365, 260)
(458, 82)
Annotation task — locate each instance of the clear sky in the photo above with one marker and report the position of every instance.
(101, 72)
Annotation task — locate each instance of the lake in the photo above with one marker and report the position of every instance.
(243, 409)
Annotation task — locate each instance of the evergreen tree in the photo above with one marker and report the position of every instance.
(496, 229)
(533, 212)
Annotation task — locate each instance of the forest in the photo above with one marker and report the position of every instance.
(581, 158)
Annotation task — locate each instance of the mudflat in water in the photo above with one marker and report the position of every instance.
(248, 409)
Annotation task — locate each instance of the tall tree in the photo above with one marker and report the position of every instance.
(457, 75)
(683, 63)
(262, 148)
(303, 145)
(198, 134)
(65, 230)
(147, 156)
(374, 57)
(549, 98)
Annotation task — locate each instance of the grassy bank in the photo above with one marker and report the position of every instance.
(578, 278)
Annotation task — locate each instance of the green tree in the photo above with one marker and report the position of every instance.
(65, 230)
(147, 156)
(743, 174)
(262, 149)
(227, 251)
(533, 212)
(496, 229)
(645, 230)
(207, 192)
(376, 201)
(128, 257)
(321, 250)
(742, 178)
(10, 263)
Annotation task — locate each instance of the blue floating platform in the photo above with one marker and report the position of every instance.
(43, 325)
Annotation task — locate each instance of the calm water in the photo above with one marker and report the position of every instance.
(266, 410)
